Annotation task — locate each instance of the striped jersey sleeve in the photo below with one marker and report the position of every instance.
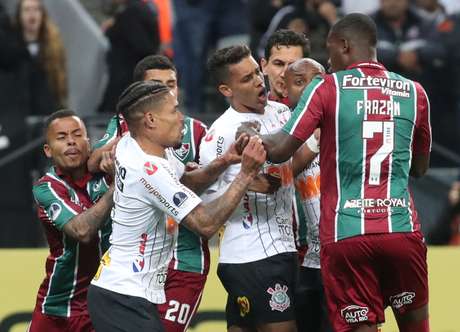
(308, 112)
(111, 132)
(422, 131)
(54, 203)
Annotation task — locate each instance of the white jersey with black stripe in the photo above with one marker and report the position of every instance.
(147, 194)
(261, 225)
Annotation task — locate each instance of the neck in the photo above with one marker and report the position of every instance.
(241, 108)
(75, 174)
(149, 146)
(369, 56)
(30, 35)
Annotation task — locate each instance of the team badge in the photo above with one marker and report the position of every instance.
(243, 303)
(97, 186)
(179, 198)
(183, 151)
(280, 299)
(54, 211)
(150, 168)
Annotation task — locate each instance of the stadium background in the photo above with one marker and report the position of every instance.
(23, 269)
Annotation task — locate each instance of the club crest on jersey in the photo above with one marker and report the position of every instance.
(183, 151)
(243, 303)
(179, 198)
(355, 314)
(150, 168)
(399, 300)
(280, 300)
(247, 218)
(54, 211)
(139, 261)
(97, 186)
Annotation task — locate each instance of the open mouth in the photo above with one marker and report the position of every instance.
(262, 95)
(72, 152)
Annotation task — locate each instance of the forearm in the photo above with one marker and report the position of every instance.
(96, 157)
(200, 179)
(85, 225)
(208, 218)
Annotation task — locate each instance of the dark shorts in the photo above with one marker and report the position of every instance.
(41, 322)
(260, 292)
(310, 302)
(365, 274)
(183, 295)
(112, 311)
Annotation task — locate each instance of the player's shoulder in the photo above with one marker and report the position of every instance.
(49, 184)
(227, 122)
(194, 122)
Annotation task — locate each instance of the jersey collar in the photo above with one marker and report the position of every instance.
(80, 183)
(367, 64)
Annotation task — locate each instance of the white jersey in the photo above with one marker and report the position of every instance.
(308, 186)
(148, 195)
(261, 225)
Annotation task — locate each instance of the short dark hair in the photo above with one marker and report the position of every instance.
(136, 97)
(150, 62)
(60, 114)
(285, 37)
(218, 62)
(357, 27)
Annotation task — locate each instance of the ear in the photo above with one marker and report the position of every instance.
(225, 90)
(150, 120)
(47, 150)
(345, 46)
(263, 64)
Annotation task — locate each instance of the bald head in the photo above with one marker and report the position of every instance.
(298, 75)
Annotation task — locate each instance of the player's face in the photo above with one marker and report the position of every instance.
(67, 143)
(337, 57)
(246, 85)
(31, 15)
(275, 67)
(166, 76)
(170, 123)
(296, 81)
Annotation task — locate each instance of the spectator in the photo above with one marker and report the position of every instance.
(133, 34)
(44, 57)
(447, 229)
(431, 10)
(199, 25)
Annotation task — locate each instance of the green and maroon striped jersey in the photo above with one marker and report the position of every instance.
(191, 252)
(70, 265)
(372, 123)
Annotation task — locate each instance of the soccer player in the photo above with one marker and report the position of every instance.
(148, 195)
(189, 266)
(375, 132)
(66, 197)
(258, 261)
(283, 48)
(310, 300)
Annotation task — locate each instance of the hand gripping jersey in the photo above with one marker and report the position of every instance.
(261, 225)
(191, 252)
(372, 122)
(70, 265)
(308, 195)
(147, 193)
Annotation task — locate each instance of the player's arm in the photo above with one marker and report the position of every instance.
(201, 178)
(84, 226)
(421, 144)
(105, 144)
(206, 219)
(305, 155)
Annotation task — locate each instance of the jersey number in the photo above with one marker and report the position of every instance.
(183, 311)
(387, 129)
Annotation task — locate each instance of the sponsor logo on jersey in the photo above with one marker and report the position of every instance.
(54, 211)
(399, 300)
(355, 314)
(220, 146)
(179, 198)
(150, 168)
(388, 86)
(243, 303)
(247, 218)
(183, 151)
(280, 300)
(139, 261)
(209, 136)
(154, 191)
(375, 203)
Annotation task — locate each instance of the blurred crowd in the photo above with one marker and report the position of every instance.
(418, 39)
